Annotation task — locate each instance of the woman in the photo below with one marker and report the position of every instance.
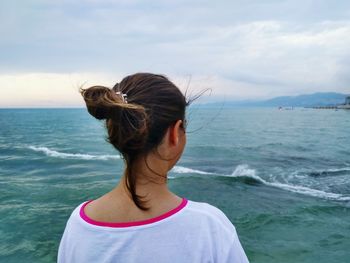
(141, 220)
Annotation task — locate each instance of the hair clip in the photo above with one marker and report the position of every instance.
(123, 95)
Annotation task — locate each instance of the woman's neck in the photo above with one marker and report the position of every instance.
(117, 205)
(152, 190)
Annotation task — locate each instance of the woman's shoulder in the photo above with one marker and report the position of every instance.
(205, 209)
(75, 213)
(202, 207)
(206, 212)
(211, 224)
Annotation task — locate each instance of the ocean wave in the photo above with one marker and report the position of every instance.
(330, 172)
(244, 171)
(81, 156)
(249, 176)
(185, 170)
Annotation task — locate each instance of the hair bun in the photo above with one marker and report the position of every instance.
(99, 113)
(99, 101)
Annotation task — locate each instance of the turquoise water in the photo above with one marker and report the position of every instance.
(282, 177)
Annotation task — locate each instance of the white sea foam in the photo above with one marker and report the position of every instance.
(185, 170)
(243, 170)
(334, 170)
(330, 171)
(53, 153)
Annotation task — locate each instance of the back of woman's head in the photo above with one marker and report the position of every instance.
(138, 111)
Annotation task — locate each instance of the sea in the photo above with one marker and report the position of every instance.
(281, 176)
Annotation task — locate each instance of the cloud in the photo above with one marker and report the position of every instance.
(241, 49)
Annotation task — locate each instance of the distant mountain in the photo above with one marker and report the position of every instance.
(308, 100)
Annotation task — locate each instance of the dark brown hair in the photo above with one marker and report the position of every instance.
(138, 112)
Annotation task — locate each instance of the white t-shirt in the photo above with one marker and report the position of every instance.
(192, 232)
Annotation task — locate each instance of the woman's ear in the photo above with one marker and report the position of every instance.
(175, 132)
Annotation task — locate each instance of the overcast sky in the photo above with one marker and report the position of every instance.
(240, 49)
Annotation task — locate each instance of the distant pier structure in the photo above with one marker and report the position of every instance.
(346, 105)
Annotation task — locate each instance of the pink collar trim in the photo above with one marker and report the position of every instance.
(134, 223)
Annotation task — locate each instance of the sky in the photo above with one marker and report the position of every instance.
(251, 49)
